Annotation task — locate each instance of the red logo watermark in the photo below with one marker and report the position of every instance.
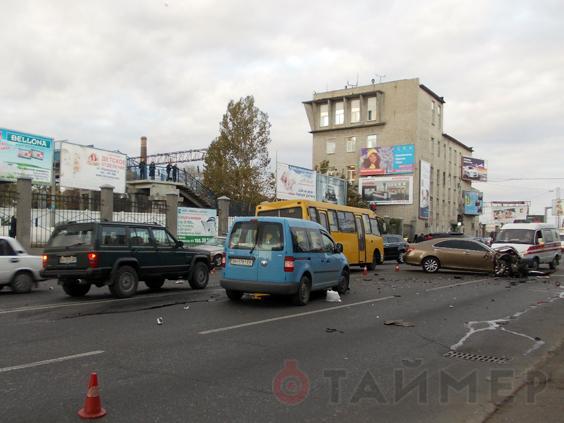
(290, 385)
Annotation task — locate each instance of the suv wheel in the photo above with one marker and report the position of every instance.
(536, 263)
(217, 260)
(22, 283)
(554, 263)
(124, 282)
(301, 297)
(343, 286)
(200, 276)
(74, 288)
(154, 284)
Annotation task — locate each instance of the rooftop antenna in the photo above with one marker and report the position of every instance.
(380, 77)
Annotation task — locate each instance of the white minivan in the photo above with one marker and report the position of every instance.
(537, 243)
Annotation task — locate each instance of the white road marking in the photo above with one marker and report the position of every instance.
(292, 316)
(53, 360)
(457, 284)
(87, 302)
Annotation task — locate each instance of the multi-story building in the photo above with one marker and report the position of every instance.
(350, 122)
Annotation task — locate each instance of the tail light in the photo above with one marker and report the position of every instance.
(223, 260)
(93, 259)
(44, 259)
(289, 264)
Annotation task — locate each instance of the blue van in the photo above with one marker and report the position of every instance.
(276, 255)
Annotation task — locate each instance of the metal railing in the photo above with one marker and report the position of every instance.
(8, 203)
(180, 176)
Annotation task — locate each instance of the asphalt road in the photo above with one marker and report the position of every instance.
(265, 360)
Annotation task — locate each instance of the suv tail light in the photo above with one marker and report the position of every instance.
(289, 264)
(93, 259)
(44, 259)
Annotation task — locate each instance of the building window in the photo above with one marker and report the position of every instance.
(371, 108)
(355, 111)
(330, 147)
(351, 145)
(324, 115)
(439, 149)
(371, 141)
(432, 144)
(339, 113)
(433, 112)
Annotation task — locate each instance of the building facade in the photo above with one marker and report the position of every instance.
(349, 123)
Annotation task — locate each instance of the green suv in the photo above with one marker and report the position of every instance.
(119, 255)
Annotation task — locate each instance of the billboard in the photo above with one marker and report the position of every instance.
(424, 189)
(387, 189)
(195, 226)
(90, 168)
(473, 202)
(25, 155)
(331, 189)
(508, 211)
(293, 182)
(392, 160)
(474, 169)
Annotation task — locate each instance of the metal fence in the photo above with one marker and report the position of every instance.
(8, 202)
(50, 210)
(239, 208)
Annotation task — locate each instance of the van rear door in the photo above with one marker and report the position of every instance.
(271, 252)
(241, 252)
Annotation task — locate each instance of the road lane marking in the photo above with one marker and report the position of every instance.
(86, 302)
(457, 284)
(53, 360)
(292, 316)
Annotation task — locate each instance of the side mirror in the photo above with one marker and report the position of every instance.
(179, 244)
(339, 248)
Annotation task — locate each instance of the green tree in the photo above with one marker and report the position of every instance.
(237, 161)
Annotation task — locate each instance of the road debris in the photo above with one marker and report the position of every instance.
(187, 307)
(333, 330)
(179, 282)
(401, 323)
(160, 320)
(333, 296)
(450, 306)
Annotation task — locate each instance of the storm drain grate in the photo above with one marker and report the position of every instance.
(477, 357)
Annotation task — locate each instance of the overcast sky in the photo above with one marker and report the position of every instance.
(106, 72)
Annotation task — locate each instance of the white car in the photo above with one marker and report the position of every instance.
(18, 269)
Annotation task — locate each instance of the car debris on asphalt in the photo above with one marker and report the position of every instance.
(401, 323)
(333, 296)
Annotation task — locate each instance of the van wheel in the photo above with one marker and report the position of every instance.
(233, 295)
(431, 265)
(536, 264)
(375, 260)
(124, 282)
(154, 284)
(554, 263)
(200, 276)
(301, 297)
(74, 288)
(22, 283)
(343, 286)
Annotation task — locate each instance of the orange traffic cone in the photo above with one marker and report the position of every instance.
(365, 272)
(397, 269)
(92, 405)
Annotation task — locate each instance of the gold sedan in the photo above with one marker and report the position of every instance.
(449, 253)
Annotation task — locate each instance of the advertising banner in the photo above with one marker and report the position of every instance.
(195, 226)
(424, 189)
(90, 168)
(474, 169)
(508, 211)
(392, 160)
(293, 182)
(331, 189)
(387, 189)
(25, 156)
(558, 207)
(473, 202)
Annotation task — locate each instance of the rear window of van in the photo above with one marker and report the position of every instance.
(262, 236)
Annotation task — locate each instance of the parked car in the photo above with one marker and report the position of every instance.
(394, 247)
(119, 255)
(276, 255)
(214, 247)
(537, 243)
(458, 254)
(435, 235)
(18, 270)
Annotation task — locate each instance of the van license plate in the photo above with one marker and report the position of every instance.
(67, 260)
(241, 262)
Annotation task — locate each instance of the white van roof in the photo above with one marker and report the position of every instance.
(530, 226)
